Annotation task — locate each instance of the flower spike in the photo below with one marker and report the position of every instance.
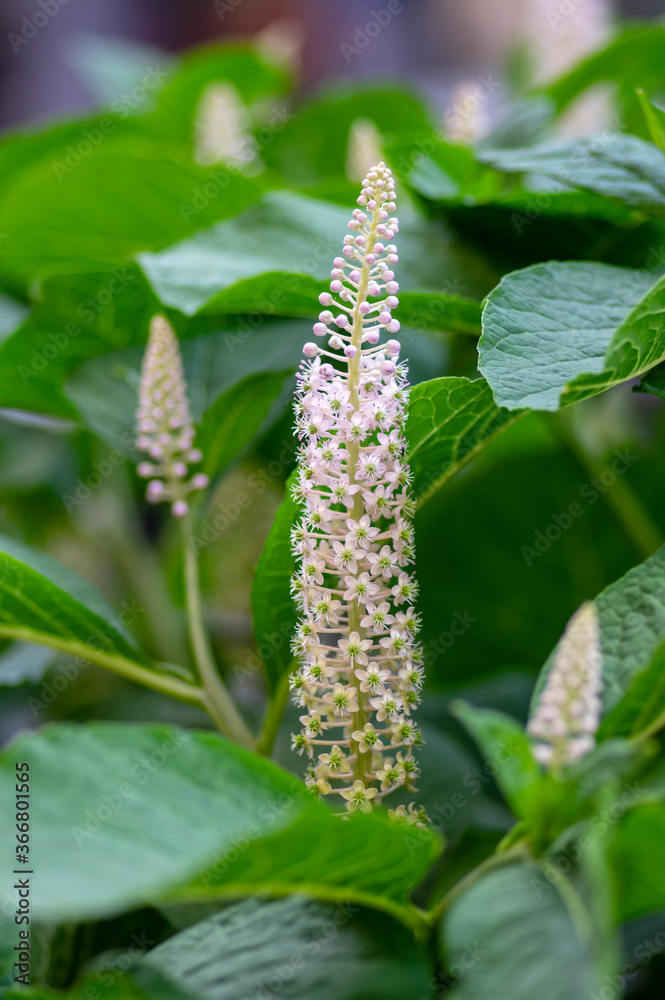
(568, 710)
(361, 668)
(164, 424)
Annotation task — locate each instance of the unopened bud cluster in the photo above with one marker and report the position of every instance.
(567, 715)
(164, 424)
(361, 668)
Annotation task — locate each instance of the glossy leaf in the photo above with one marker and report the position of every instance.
(557, 333)
(637, 857)
(124, 814)
(450, 420)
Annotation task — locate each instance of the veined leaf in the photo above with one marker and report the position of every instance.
(297, 947)
(513, 926)
(559, 332)
(235, 954)
(615, 166)
(107, 835)
(642, 708)
(450, 420)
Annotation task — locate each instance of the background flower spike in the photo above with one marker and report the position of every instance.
(164, 426)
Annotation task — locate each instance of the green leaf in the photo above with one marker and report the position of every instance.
(110, 67)
(615, 166)
(557, 333)
(503, 742)
(632, 627)
(450, 420)
(273, 608)
(308, 948)
(45, 603)
(296, 947)
(236, 417)
(56, 222)
(275, 259)
(637, 852)
(123, 815)
(642, 708)
(513, 927)
(24, 662)
(655, 118)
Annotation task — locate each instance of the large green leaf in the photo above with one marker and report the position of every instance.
(450, 420)
(632, 627)
(125, 814)
(615, 166)
(556, 333)
(308, 948)
(296, 947)
(56, 221)
(43, 602)
(513, 927)
(275, 258)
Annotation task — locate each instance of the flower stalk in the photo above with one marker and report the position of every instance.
(361, 669)
(166, 433)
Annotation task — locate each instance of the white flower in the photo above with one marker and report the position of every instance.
(360, 663)
(164, 425)
(359, 797)
(567, 714)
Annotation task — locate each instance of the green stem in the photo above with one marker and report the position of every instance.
(517, 852)
(118, 664)
(626, 505)
(274, 713)
(216, 697)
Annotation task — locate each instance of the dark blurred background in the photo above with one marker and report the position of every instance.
(432, 43)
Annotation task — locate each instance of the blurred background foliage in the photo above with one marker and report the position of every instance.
(106, 216)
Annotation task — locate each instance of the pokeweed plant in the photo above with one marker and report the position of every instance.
(405, 848)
